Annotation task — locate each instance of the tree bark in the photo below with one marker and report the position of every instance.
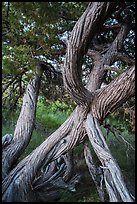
(114, 182)
(37, 177)
(59, 143)
(81, 36)
(110, 97)
(95, 172)
(23, 131)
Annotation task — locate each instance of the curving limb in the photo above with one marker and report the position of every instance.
(24, 127)
(114, 182)
(81, 36)
(114, 94)
(48, 166)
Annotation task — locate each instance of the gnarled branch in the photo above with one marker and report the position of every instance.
(23, 128)
(77, 46)
(114, 182)
(110, 97)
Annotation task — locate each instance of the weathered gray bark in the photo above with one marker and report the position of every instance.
(114, 182)
(95, 172)
(37, 177)
(81, 36)
(65, 138)
(24, 128)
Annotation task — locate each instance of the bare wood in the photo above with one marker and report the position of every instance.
(77, 47)
(21, 179)
(24, 127)
(95, 172)
(6, 140)
(112, 175)
(113, 95)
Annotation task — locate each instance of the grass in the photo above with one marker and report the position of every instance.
(51, 117)
(52, 114)
(36, 139)
(85, 189)
(124, 154)
(86, 192)
(53, 120)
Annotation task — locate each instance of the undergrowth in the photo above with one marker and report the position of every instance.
(51, 115)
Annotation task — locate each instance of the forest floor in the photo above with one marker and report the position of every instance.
(85, 190)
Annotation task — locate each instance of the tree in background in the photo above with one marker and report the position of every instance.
(100, 48)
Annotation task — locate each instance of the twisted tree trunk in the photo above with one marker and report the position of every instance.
(48, 169)
(24, 127)
(114, 182)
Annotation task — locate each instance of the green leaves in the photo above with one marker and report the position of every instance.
(52, 114)
(33, 30)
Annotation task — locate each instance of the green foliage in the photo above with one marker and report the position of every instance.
(36, 27)
(91, 198)
(52, 114)
(81, 195)
(121, 148)
(49, 114)
(53, 111)
(9, 120)
(6, 129)
(33, 29)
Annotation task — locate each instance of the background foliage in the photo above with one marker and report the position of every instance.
(36, 33)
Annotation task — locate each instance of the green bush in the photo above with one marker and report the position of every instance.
(52, 114)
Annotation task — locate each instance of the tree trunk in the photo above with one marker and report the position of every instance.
(114, 182)
(24, 127)
(48, 169)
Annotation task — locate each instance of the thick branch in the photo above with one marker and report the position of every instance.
(60, 142)
(83, 32)
(109, 98)
(69, 134)
(111, 54)
(95, 172)
(23, 128)
(125, 58)
(112, 175)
